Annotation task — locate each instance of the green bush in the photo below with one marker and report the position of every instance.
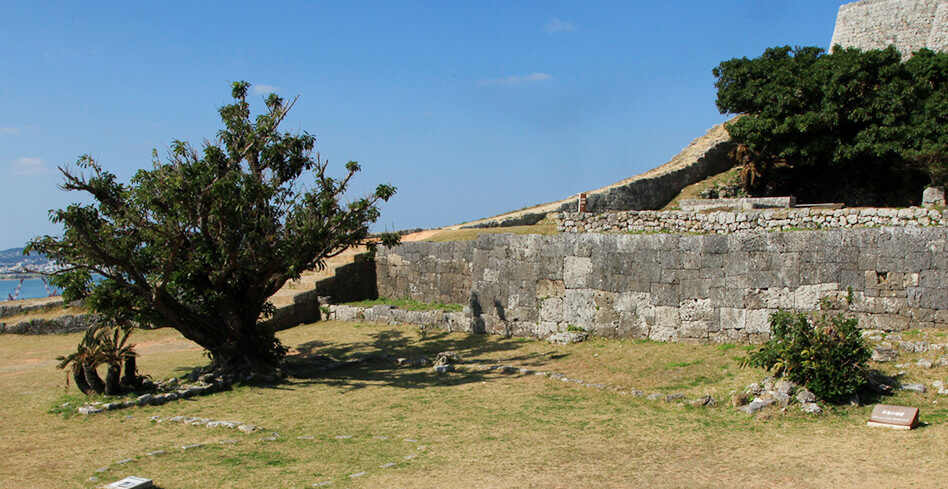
(824, 352)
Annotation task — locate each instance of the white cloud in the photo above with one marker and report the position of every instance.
(265, 89)
(26, 167)
(10, 131)
(557, 25)
(510, 80)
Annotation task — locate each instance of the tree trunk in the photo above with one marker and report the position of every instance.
(248, 350)
(130, 377)
(112, 377)
(92, 378)
(79, 377)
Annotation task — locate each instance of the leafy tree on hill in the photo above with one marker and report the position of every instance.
(199, 242)
(863, 127)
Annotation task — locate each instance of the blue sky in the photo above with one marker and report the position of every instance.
(469, 108)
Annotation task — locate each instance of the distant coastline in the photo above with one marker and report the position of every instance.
(19, 276)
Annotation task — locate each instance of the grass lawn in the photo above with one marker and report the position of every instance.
(472, 429)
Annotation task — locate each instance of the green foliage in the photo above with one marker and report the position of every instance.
(199, 242)
(824, 352)
(857, 116)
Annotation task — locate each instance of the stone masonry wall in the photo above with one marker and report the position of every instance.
(909, 24)
(724, 222)
(706, 288)
(426, 272)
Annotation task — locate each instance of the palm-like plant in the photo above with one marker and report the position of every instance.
(112, 349)
(84, 362)
(103, 344)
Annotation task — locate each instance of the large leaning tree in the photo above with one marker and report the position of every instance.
(861, 127)
(200, 241)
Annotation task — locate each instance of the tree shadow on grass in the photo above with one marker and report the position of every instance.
(308, 367)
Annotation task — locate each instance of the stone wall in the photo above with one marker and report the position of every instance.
(61, 325)
(14, 308)
(707, 288)
(426, 272)
(763, 219)
(908, 24)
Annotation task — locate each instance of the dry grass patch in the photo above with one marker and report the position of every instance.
(476, 429)
(546, 227)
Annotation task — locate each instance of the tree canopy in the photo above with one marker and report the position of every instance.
(203, 238)
(864, 127)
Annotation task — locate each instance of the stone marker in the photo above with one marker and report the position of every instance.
(132, 482)
(897, 417)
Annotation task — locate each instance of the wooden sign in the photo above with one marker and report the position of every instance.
(582, 202)
(897, 417)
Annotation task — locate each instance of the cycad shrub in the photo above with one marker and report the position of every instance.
(824, 352)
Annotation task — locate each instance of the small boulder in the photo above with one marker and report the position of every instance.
(739, 399)
(811, 408)
(441, 369)
(752, 408)
(675, 397)
(925, 363)
(568, 337)
(705, 400)
(785, 387)
(447, 358)
(90, 409)
(920, 388)
(753, 389)
(883, 354)
(805, 396)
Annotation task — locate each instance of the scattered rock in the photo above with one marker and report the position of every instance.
(360, 474)
(739, 399)
(384, 466)
(752, 408)
(402, 362)
(920, 388)
(941, 362)
(441, 369)
(805, 396)
(655, 397)
(785, 387)
(248, 428)
(675, 397)
(568, 337)
(422, 361)
(156, 453)
(883, 354)
(705, 400)
(191, 446)
(753, 389)
(447, 358)
(90, 409)
(925, 363)
(782, 399)
(811, 408)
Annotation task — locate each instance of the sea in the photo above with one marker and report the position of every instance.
(33, 288)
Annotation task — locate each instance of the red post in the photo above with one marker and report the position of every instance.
(582, 202)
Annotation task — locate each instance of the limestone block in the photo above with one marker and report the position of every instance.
(576, 271)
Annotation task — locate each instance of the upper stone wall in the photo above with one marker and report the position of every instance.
(908, 24)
